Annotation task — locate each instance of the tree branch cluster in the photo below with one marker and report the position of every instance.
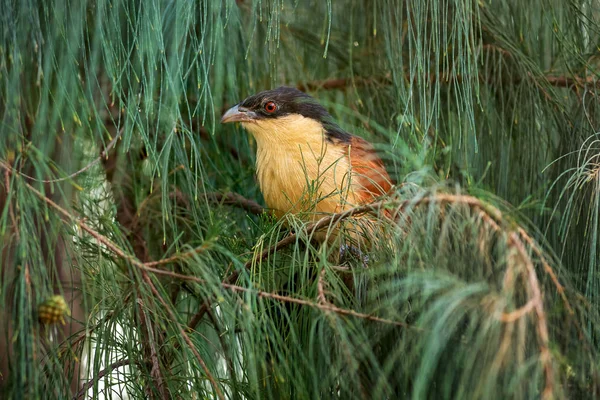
(491, 216)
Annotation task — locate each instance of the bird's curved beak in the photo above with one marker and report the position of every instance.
(238, 113)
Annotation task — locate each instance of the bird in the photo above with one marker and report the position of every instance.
(306, 164)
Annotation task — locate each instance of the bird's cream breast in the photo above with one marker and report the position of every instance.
(297, 169)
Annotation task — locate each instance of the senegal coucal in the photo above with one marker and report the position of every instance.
(306, 164)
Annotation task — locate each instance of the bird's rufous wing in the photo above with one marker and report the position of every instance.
(369, 177)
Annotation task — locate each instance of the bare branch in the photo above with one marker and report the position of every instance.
(559, 288)
(183, 334)
(568, 82)
(542, 328)
(235, 199)
(150, 347)
(86, 386)
(103, 153)
(322, 307)
(11, 210)
(518, 313)
(288, 299)
(321, 297)
(178, 257)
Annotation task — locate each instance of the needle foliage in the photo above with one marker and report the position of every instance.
(138, 262)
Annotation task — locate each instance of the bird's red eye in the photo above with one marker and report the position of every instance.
(271, 107)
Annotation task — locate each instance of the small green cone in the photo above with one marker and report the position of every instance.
(53, 310)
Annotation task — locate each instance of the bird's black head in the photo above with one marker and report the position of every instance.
(282, 102)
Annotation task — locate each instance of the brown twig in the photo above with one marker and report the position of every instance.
(231, 198)
(103, 154)
(341, 83)
(536, 301)
(323, 307)
(518, 313)
(235, 199)
(332, 220)
(542, 328)
(321, 297)
(11, 211)
(325, 222)
(178, 257)
(183, 334)
(568, 82)
(148, 334)
(86, 386)
(493, 217)
(559, 288)
(282, 298)
(328, 84)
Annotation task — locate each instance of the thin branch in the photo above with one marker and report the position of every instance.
(322, 307)
(178, 257)
(282, 298)
(542, 328)
(341, 83)
(321, 297)
(204, 307)
(103, 154)
(235, 199)
(559, 288)
(183, 334)
(493, 217)
(98, 236)
(574, 81)
(514, 241)
(332, 220)
(148, 336)
(328, 84)
(231, 198)
(11, 210)
(86, 386)
(518, 313)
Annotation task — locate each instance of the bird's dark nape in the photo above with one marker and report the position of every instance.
(334, 133)
(290, 100)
